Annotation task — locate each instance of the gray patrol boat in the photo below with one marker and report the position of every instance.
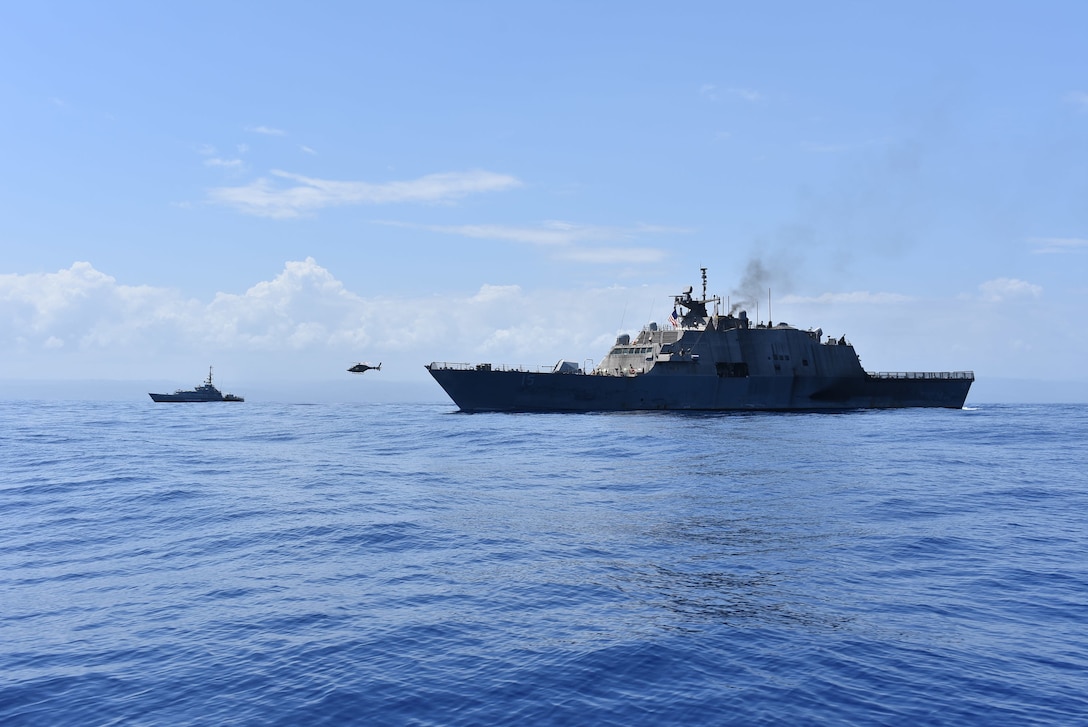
(704, 362)
(204, 392)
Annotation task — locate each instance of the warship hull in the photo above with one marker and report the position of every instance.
(706, 361)
(483, 390)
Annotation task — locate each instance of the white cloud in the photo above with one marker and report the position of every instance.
(303, 323)
(304, 307)
(264, 198)
(1052, 245)
(1001, 289)
(217, 162)
(266, 130)
(87, 309)
(79, 307)
(82, 321)
(307, 149)
(36, 298)
(492, 293)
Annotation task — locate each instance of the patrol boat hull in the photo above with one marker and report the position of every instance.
(705, 362)
(205, 392)
(190, 397)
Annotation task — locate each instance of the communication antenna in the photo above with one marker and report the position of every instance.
(704, 283)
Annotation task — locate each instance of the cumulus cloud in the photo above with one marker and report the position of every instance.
(304, 311)
(301, 195)
(86, 309)
(1001, 289)
(79, 307)
(303, 321)
(302, 306)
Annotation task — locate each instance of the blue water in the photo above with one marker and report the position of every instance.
(381, 564)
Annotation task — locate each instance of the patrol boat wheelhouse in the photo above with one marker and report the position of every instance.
(706, 362)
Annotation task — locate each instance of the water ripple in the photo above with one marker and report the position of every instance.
(398, 565)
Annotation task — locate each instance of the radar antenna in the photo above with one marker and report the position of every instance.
(696, 314)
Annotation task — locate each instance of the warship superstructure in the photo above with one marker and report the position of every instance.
(704, 362)
(204, 392)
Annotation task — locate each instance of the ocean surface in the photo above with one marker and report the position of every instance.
(336, 564)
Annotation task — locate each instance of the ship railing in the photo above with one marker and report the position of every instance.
(969, 375)
(517, 368)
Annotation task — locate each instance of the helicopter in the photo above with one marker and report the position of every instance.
(363, 367)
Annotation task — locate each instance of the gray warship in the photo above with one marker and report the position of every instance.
(704, 362)
(203, 393)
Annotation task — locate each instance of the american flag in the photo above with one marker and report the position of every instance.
(674, 319)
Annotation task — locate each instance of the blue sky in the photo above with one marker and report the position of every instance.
(283, 188)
